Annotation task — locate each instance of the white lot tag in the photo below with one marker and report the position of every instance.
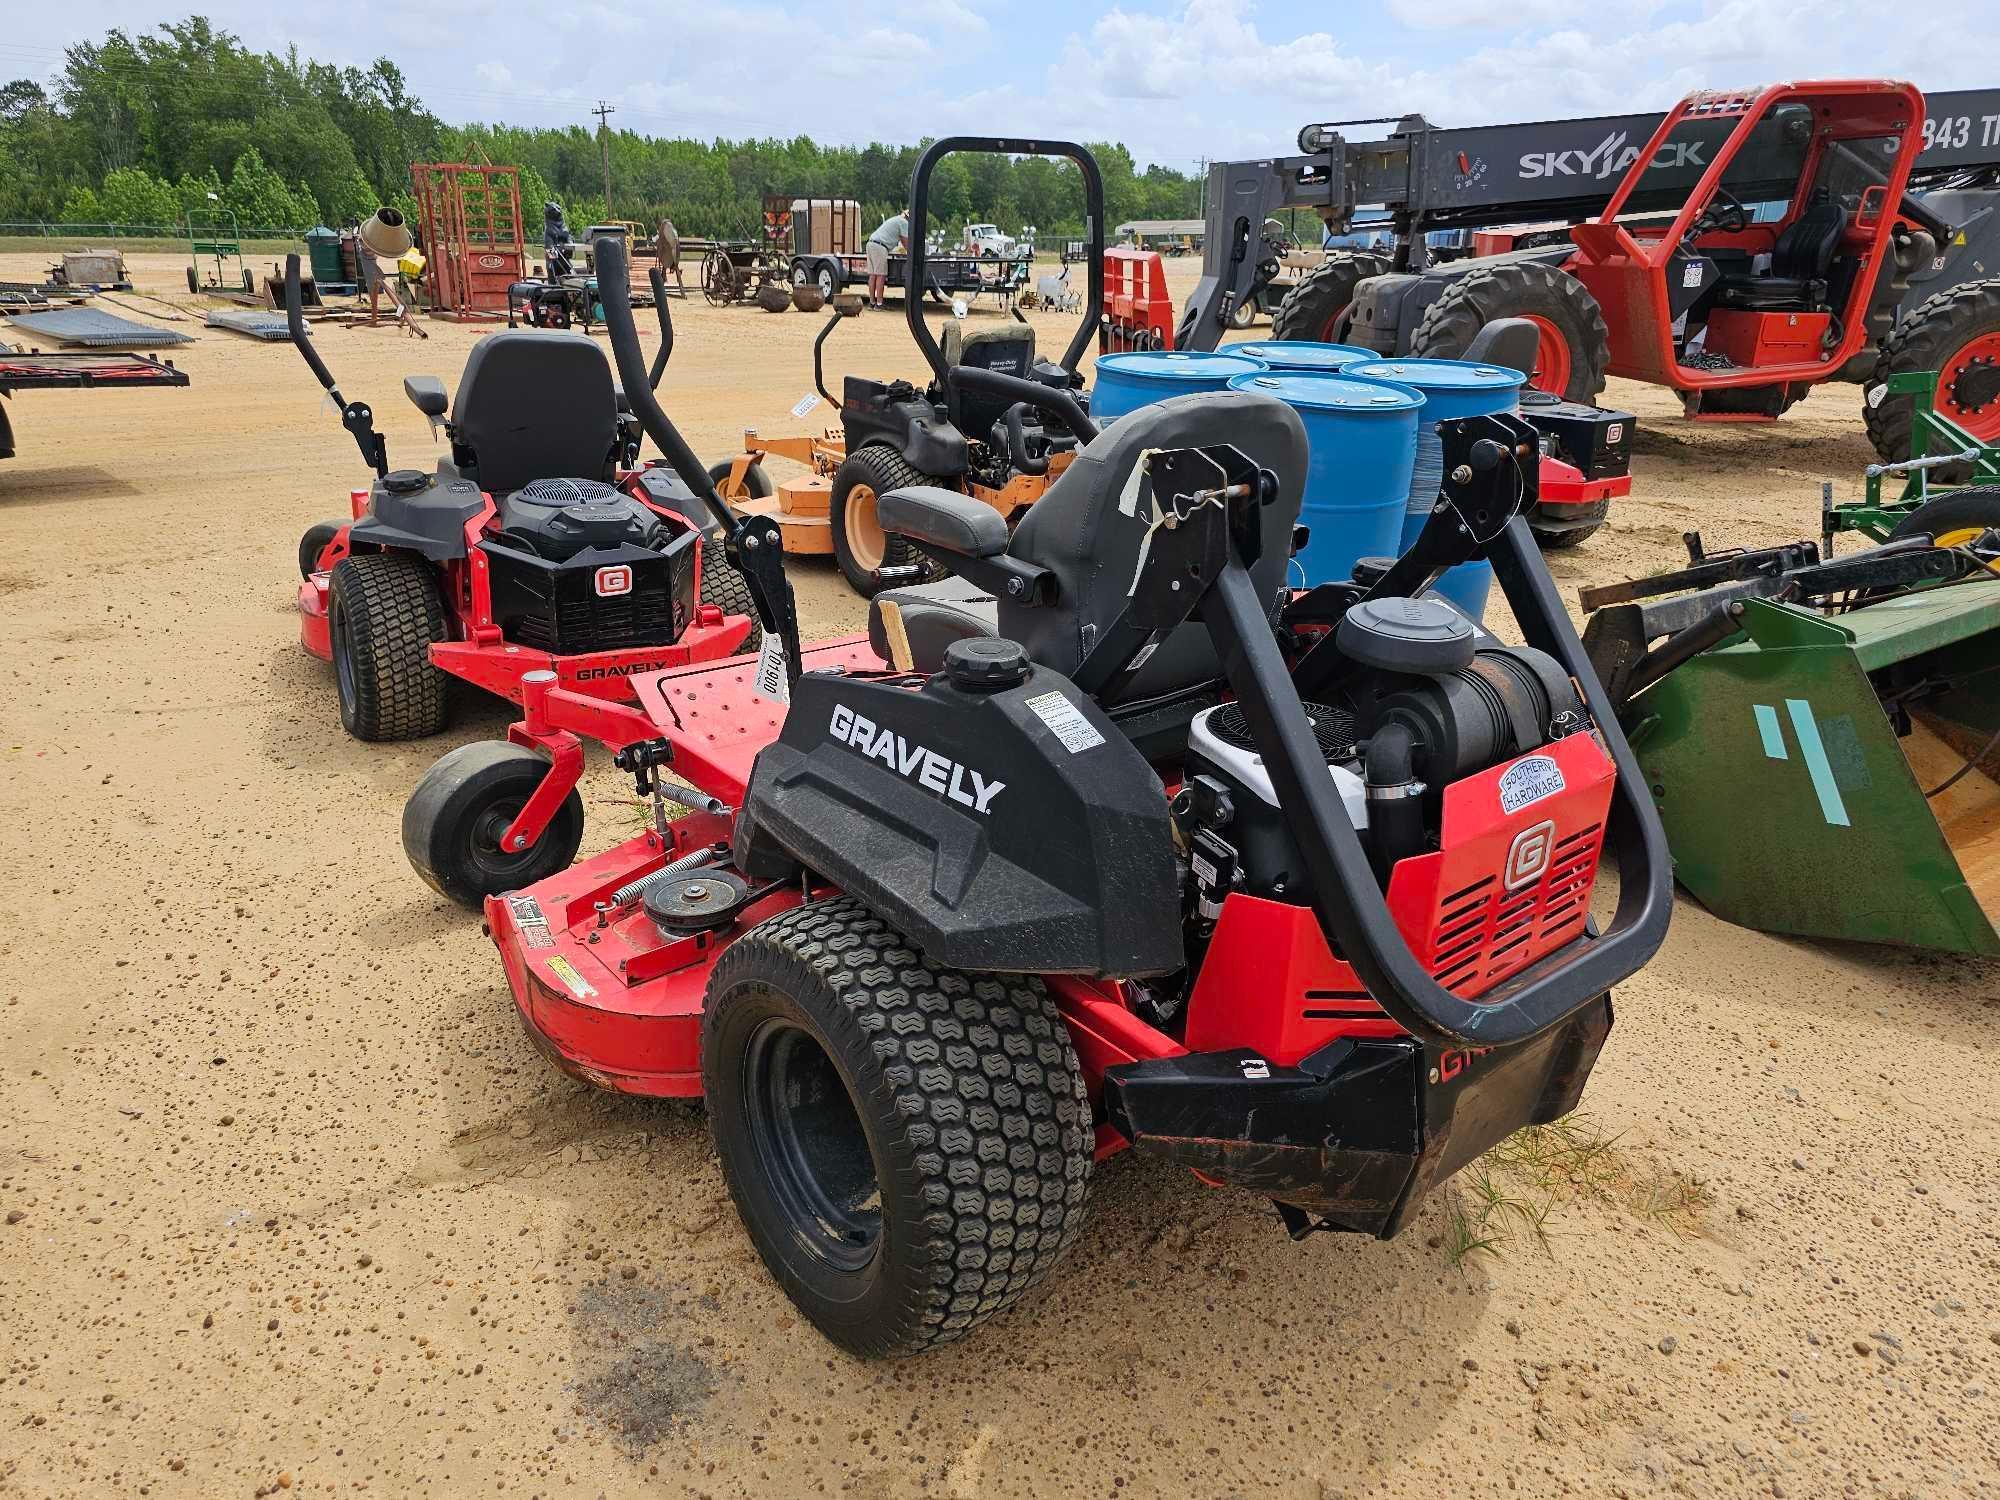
(806, 403)
(1065, 722)
(771, 670)
(1875, 395)
(1529, 780)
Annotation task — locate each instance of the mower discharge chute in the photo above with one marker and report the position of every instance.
(999, 449)
(1820, 735)
(539, 544)
(1145, 850)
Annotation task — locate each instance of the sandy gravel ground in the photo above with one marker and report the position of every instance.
(290, 1204)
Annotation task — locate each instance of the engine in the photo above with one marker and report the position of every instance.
(578, 566)
(1427, 699)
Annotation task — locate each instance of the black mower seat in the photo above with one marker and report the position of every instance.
(535, 405)
(1080, 533)
(1007, 350)
(1801, 263)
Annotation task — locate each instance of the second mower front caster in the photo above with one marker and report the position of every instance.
(455, 820)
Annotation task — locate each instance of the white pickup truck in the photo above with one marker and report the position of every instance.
(986, 239)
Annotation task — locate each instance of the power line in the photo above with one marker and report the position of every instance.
(604, 112)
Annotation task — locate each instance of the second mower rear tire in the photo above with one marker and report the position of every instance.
(383, 617)
(860, 545)
(729, 591)
(1576, 344)
(313, 543)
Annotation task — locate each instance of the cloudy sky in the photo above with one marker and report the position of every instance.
(1176, 80)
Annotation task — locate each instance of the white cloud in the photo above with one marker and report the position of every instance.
(496, 73)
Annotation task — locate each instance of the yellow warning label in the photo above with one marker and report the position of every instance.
(566, 975)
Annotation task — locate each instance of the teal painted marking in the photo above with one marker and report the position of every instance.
(1831, 807)
(1769, 731)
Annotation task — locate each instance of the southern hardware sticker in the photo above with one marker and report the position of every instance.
(534, 926)
(566, 975)
(1529, 780)
(1065, 722)
(771, 670)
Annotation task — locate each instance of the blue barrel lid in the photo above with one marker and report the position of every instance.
(1441, 374)
(1323, 390)
(1301, 354)
(1171, 365)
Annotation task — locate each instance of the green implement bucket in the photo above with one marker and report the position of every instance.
(1801, 769)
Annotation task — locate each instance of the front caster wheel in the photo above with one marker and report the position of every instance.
(909, 1145)
(454, 819)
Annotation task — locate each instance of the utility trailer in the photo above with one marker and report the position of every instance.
(1930, 303)
(31, 370)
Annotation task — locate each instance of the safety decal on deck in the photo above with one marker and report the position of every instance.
(534, 926)
(1065, 722)
(566, 974)
(771, 671)
(1529, 780)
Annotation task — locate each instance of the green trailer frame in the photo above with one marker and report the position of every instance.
(219, 237)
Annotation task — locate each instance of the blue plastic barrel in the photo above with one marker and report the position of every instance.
(1362, 437)
(1302, 354)
(1452, 388)
(1126, 382)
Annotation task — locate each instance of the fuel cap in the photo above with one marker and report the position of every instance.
(985, 664)
(1423, 636)
(405, 481)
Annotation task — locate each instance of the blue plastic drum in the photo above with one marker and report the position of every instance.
(1452, 388)
(1126, 382)
(1362, 437)
(1302, 354)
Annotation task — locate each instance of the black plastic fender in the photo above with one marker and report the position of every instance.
(1009, 831)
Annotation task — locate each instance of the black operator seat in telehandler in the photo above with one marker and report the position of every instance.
(1802, 260)
(530, 406)
(1087, 535)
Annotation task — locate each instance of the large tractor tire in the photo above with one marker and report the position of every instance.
(1319, 307)
(1957, 334)
(384, 614)
(1576, 345)
(909, 1145)
(860, 545)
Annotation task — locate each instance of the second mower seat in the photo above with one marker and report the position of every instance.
(1082, 532)
(535, 406)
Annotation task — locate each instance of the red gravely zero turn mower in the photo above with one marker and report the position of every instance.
(1129, 847)
(538, 545)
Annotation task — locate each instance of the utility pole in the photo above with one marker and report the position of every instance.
(604, 147)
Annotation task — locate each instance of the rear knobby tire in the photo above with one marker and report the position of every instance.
(909, 1145)
(1320, 308)
(384, 616)
(729, 590)
(453, 822)
(1552, 298)
(1927, 338)
(862, 479)
(1561, 541)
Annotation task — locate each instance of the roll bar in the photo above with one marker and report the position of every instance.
(753, 544)
(1346, 898)
(920, 202)
(358, 417)
(666, 350)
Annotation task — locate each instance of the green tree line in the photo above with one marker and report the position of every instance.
(148, 129)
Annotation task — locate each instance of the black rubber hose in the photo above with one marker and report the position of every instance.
(618, 322)
(1046, 398)
(1395, 810)
(1017, 443)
